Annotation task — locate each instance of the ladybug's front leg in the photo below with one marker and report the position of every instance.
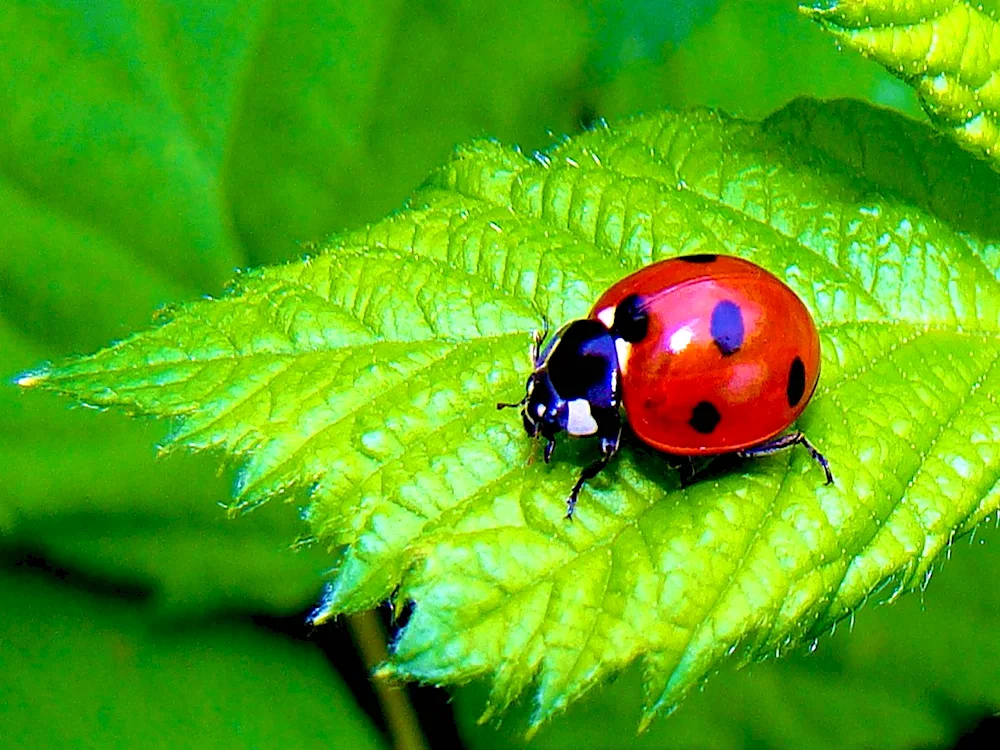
(550, 445)
(784, 442)
(609, 446)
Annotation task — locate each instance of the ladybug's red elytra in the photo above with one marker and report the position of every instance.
(705, 354)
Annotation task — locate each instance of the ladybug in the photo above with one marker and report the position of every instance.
(705, 355)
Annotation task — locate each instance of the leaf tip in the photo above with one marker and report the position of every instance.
(388, 672)
(653, 712)
(644, 723)
(31, 378)
(820, 9)
(325, 609)
(529, 735)
(488, 714)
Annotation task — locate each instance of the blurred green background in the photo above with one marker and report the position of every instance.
(150, 149)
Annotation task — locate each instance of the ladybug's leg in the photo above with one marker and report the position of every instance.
(550, 445)
(783, 442)
(588, 473)
(817, 457)
(537, 339)
(609, 446)
(685, 469)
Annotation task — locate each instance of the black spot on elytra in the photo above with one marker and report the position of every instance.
(704, 418)
(796, 382)
(727, 327)
(631, 320)
(699, 258)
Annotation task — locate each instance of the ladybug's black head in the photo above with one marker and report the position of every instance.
(575, 383)
(544, 411)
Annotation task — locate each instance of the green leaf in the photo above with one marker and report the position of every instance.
(946, 49)
(751, 59)
(89, 495)
(85, 671)
(146, 150)
(367, 377)
(914, 674)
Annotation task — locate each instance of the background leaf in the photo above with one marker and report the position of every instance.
(747, 59)
(147, 152)
(81, 672)
(116, 200)
(366, 376)
(945, 49)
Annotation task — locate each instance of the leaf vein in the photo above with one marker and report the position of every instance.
(898, 503)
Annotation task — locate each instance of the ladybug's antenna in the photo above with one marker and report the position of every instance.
(512, 406)
(537, 339)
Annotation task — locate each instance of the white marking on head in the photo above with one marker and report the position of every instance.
(679, 339)
(624, 351)
(540, 410)
(607, 316)
(581, 421)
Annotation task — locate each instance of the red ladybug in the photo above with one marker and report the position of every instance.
(706, 354)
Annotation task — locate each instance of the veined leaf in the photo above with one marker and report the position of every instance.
(948, 50)
(367, 377)
(146, 150)
(867, 685)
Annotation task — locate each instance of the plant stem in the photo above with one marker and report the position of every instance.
(401, 719)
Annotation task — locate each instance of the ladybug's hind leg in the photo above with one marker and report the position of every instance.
(685, 470)
(691, 470)
(784, 442)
